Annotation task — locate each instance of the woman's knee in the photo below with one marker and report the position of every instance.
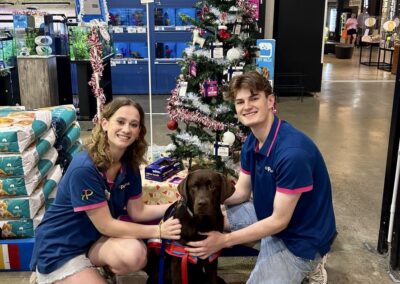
(131, 259)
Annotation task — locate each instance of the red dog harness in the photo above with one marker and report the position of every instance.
(177, 250)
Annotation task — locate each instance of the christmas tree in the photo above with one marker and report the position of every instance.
(223, 46)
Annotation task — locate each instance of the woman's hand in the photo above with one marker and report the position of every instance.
(214, 242)
(170, 229)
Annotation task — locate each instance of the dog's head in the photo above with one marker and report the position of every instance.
(204, 190)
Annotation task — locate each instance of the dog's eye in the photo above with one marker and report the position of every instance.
(210, 185)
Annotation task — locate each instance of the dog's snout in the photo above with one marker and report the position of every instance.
(202, 202)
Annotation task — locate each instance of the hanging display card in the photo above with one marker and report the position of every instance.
(266, 59)
(182, 88)
(216, 50)
(256, 8)
(192, 69)
(237, 29)
(221, 149)
(210, 88)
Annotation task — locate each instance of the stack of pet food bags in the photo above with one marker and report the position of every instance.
(68, 131)
(28, 174)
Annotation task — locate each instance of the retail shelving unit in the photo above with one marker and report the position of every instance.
(168, 38)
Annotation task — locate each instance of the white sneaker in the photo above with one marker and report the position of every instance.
(33, 278)
(319, 275)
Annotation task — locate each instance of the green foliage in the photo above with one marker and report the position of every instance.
(7, 51)
(31, 34)
(79, 46)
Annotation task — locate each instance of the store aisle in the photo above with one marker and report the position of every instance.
(349, 120)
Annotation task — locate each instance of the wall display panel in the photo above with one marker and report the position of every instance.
(170, 31)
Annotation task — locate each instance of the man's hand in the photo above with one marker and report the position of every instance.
(214, 242)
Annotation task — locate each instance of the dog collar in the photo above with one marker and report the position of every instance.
(183, 201)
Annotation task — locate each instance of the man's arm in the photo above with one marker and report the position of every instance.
(284, 205)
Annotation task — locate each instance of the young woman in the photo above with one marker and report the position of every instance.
(81, 229)
(351, 27)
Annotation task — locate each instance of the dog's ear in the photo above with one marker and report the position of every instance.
(227, 188)
(182, 187)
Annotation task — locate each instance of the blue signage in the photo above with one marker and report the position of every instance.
(266, 60)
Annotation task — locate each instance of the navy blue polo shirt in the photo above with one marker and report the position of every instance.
(66, 230)
(289, 162)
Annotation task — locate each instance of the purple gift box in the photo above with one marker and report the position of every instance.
(162, 169)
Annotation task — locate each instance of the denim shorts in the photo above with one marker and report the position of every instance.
(69, 268)
(275, 263)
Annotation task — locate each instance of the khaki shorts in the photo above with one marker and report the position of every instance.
(69, 268)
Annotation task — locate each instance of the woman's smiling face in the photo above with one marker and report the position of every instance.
(122, 128)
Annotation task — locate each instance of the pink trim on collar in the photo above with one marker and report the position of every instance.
(273, 140)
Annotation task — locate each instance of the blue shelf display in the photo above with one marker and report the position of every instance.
(131, 49)
(127, 17)
(169, 37)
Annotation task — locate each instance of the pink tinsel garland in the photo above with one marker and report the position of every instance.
(181, 114)
(95, 54)
(186, 115)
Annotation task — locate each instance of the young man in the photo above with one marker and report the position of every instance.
(291, 209)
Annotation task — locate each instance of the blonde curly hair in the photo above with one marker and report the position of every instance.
(98, 145)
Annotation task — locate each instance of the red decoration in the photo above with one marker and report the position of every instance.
(172, 124)
(246, 53)
(224, 34)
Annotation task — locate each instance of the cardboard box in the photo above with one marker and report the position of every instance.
(16, 255)
(162, 169)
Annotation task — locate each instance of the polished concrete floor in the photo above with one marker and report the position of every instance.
(350, 121)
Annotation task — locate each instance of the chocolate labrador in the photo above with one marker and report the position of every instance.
(203, 191)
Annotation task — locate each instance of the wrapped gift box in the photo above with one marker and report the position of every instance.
(162, 169)
(16, 254)
(155, 192)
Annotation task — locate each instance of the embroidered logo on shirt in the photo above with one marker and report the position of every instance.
(122, 186)
(269, 169)
(86, 193)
